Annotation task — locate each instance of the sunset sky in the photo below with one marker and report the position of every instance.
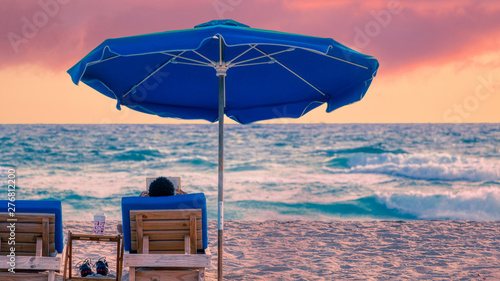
(439, 60)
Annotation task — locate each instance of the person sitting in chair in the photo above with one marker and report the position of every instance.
(161, 186)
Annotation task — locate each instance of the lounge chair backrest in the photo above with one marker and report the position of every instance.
(33, 220)
(177, 202)
(26, 230)
(166, 230)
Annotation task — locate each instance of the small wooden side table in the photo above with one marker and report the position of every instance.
(88, 237)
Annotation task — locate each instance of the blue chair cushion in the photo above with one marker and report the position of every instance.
(187, 201)
(45, 207)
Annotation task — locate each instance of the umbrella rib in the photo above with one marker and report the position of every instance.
(246, 51)
(190, 63)
(265, 55)
(151, 74)
(211, 62)
(346, 61)
(188, 59)
(249, 64)
(103, 60)
(277, 104)
(291, 71)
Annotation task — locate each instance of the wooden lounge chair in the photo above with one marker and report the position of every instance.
(36, 229)
(165, 237)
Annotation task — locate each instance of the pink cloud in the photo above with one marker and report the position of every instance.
(79, 26)
(404, 34)
(420, 36)
(409, 34)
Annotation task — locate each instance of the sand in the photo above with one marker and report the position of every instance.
(340, 250)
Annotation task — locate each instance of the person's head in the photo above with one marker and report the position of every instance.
(161, 187)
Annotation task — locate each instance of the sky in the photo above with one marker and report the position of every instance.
(439, 59)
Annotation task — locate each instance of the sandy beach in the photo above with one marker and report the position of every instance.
(340, 250)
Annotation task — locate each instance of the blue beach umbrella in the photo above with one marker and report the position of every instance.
(226, 68)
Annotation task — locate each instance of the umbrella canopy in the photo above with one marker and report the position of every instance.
(270, 74)
(182, 74)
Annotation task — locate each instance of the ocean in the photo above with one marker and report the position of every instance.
(275, 171)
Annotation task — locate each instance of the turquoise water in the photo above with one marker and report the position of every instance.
(280, 171)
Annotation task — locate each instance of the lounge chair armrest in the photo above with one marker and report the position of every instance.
(39, 245)
(166, 260)
(145, 245)
(187, 245)
(32, 263)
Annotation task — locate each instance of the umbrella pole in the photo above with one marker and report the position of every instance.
(221, 72)
(221, 176)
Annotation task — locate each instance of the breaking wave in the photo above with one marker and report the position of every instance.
(441, 167)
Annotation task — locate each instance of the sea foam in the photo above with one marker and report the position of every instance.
(481, 204)
(427, 166)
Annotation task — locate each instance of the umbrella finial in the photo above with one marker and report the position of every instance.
(227, 22)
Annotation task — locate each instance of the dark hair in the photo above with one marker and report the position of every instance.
(161, 187)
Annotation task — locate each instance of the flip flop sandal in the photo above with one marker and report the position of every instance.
(101, 266)
(84, 267)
